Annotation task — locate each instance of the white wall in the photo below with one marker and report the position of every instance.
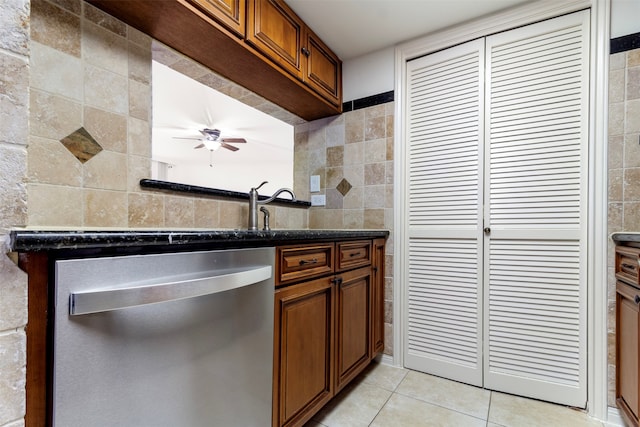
(373, 73)
(369, 74)
(625, 17)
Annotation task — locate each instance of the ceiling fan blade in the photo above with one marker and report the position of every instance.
(185, 137)
(199, 146)
(234, 140)
(229, 147)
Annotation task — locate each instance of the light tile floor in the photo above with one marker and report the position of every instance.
(385, 396)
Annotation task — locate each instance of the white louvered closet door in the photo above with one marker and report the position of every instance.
(535, 205)
(496, 137)
(443, 296)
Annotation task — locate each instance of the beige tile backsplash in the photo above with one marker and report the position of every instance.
(624, 170)
(14, 137)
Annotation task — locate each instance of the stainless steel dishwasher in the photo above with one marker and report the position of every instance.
(180, 339)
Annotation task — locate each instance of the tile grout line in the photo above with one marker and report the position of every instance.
(390, 396)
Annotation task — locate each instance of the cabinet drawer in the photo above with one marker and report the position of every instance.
(353, 254)
(627, 264)
(296, 263)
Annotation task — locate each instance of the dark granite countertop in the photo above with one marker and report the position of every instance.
(37, 240)
(626, 236)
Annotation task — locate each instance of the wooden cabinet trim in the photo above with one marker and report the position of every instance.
(39, 375)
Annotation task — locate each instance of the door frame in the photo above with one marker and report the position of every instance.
(597, 240)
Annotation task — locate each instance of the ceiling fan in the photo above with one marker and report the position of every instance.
(211, 140)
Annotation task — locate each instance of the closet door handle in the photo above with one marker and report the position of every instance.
(487, 230)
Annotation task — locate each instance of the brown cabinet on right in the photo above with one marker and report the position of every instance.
(627, 333)
(276, 31)
(328, 318)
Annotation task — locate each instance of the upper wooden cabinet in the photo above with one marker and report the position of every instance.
(275, 30)
(230, 13)
(322, 69)
(259, 44)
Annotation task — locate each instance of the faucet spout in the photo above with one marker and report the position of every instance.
(254, 202)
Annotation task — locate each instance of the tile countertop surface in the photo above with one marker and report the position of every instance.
(36, 240)
(626, 236)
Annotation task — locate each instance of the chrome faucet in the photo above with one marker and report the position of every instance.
(254, 202)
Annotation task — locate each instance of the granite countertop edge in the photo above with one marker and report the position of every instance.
(626, 236)
(36, 240)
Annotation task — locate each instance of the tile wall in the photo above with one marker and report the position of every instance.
(624, 170)
(353, 155)
(14, 128)
(91, 72)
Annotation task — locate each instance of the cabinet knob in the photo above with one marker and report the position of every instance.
(337, 280)
(637, 299)
(305, 51)
(487, 230)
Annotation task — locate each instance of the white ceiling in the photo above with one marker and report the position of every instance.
(352, 28)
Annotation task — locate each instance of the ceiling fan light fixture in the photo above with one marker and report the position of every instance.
(211, 144)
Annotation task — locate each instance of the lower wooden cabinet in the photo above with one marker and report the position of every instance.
(303, 366)
(627, 351)
(353, 324)
(327, 330)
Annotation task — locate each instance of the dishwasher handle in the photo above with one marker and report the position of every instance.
(100, 300)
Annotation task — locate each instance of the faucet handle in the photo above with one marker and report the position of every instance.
(258, 187)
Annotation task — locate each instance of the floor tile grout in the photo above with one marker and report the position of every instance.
(415, 385)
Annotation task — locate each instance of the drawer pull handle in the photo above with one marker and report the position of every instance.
(629, 266)
(637, 299)
(308, 261)
(355, 254)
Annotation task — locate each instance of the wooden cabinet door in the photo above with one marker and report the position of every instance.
(377, 315)
(303, 377)
(627, 351)
(322, 69)
(230, 13)
(275, 30)
(353, 324)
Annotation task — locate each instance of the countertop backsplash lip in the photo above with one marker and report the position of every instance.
(154, 184)
(33, 239)
(626, 236)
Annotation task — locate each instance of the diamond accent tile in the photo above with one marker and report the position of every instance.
(343, 187)
(81, 144)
